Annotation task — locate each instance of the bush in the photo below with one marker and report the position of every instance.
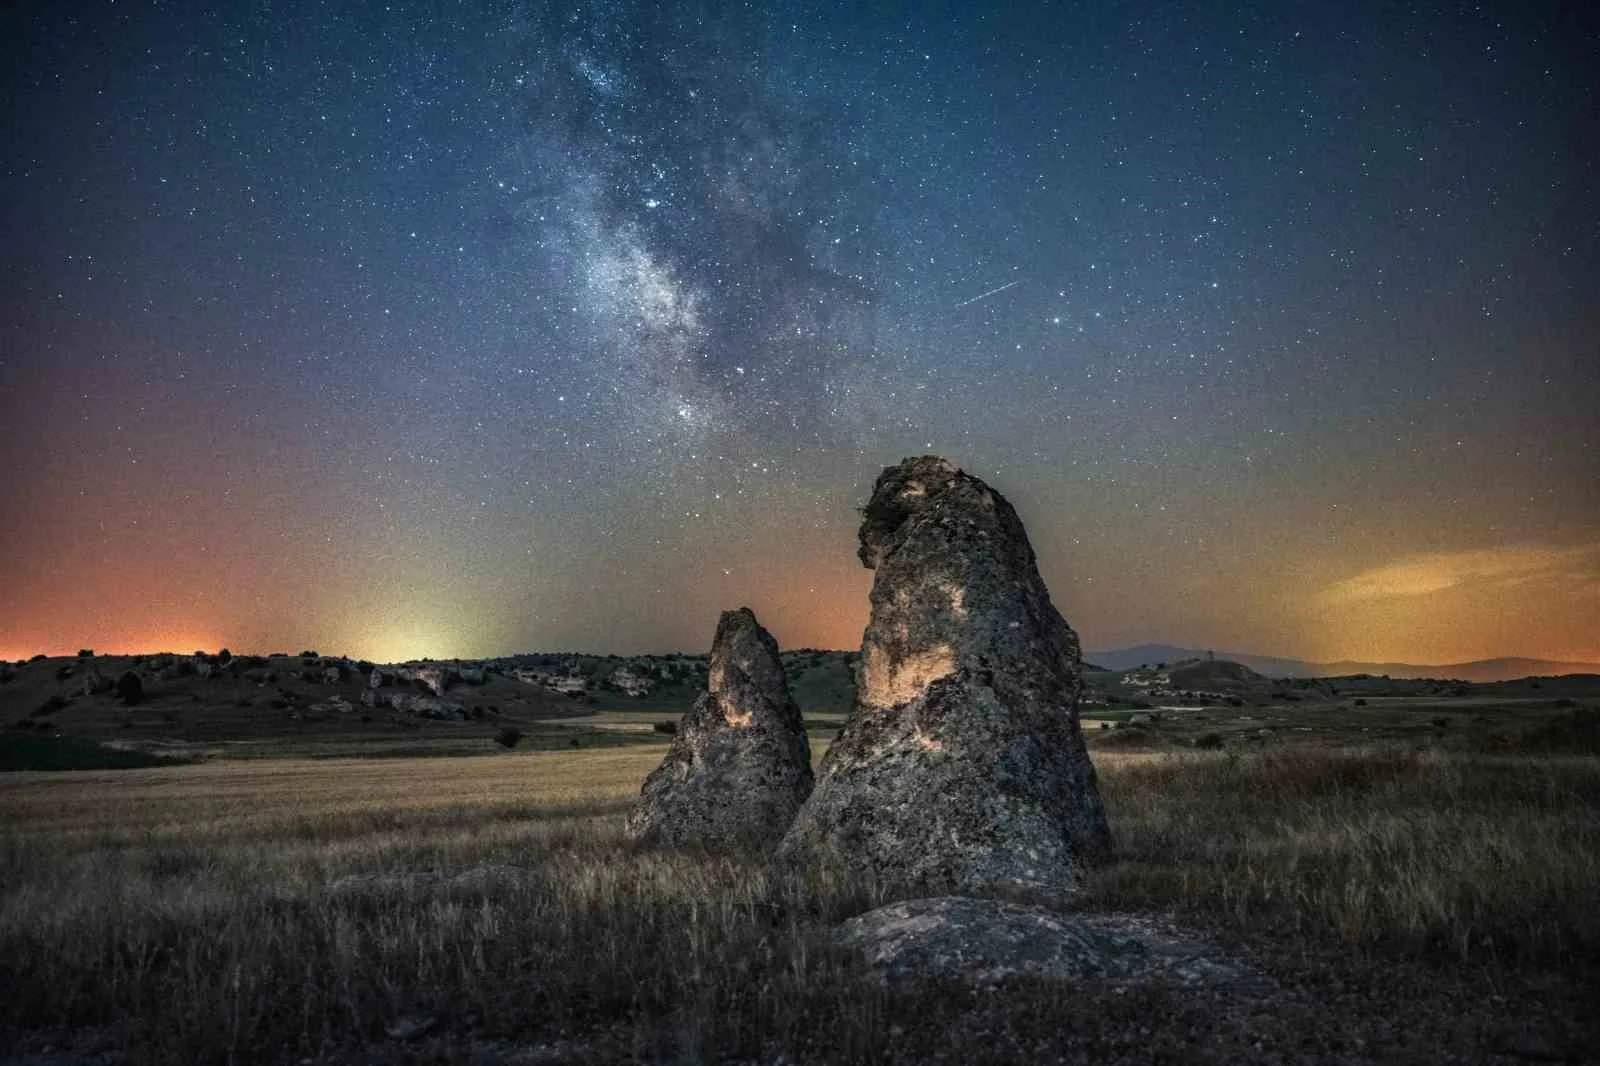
(50, 706)
(1208, 741)
(71, 753)
(86, 653)
(509, 737)
(308, 654)
(665, 727)
(130, 689)
(1573, 733)
(224, 656)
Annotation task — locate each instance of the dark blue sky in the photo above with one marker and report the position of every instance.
(462, 329)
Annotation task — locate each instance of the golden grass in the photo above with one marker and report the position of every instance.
(246, 911)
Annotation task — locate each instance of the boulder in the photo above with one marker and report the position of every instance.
(961, 767)
(740, 765)
(983, 942)
(434, 678)
(432, 707)
(95, 683)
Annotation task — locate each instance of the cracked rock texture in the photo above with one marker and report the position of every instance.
(961, 768)
(983, 942)
(740, 765)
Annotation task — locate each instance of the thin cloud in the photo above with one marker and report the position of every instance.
(1575, 569)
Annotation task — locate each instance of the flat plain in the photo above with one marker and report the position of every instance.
(1412, 892)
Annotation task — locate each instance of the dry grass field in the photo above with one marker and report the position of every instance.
(1409, 906)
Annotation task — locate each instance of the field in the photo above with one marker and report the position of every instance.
(1408, 903)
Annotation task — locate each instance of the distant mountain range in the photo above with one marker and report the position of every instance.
(1480, 670)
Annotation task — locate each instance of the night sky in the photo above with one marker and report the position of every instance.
(465, 329)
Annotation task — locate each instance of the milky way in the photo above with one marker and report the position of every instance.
(712, 222)
(409, 330)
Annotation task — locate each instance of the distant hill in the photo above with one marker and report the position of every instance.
(1214, 675)
(1481, 670)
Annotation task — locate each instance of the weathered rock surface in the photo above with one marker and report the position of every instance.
(740, 765)
(95, 683)
(961, 768)
(415, 703)
(983, 942)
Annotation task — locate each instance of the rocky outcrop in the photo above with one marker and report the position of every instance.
(983, 942)
(95, 683)
(415, 703)
(961, 768)
(740, 765)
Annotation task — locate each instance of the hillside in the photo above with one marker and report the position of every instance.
(1478, 670)
(262, 705)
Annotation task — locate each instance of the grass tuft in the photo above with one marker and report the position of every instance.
(271, 911)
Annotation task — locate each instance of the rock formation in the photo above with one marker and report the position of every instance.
(961, 767)
(740, 765)
(983, 942)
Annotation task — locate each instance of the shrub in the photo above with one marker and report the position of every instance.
(665, 727)
(509, 737)
(309, 654)
(50, 706)
(224, 656)
(130, 689)
(86, 653)
(1576, 732)
(1209, 741)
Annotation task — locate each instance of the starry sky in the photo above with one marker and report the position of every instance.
(461, 329)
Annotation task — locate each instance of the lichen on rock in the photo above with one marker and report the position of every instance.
(740, 764)
(985, 942)
(962, 767)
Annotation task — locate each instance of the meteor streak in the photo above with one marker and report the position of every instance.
(991, 292)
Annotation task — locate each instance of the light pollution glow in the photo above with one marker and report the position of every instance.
(398, 330)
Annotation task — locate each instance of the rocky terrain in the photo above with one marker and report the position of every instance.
(739, 766)
(962, 766)
(220, 704)
(1337, 870)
